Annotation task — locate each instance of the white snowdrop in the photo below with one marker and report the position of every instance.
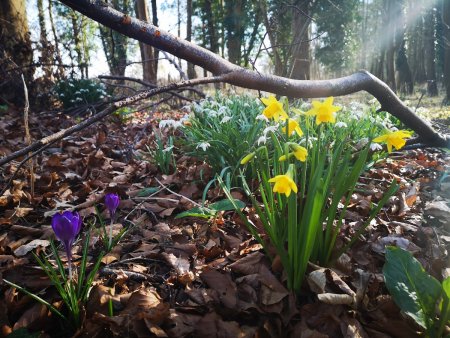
(203, 146)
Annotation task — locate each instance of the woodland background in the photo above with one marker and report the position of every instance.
(403, 42)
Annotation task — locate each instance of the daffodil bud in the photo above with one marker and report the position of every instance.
(247, 158)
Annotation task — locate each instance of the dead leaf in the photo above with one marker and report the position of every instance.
(24, 249)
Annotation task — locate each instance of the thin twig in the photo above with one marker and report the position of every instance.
(27, 132)
(173, 192)
(108, 111)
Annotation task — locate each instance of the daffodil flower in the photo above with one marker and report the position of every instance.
(284, 184)
(274, 109)
(247, 158)
(299, 152)
(394, 138)
(293, 127)
(323, 111)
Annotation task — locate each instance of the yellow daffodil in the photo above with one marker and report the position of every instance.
(293, 127)
(284, 184)
(274, 109)
(299, 152)
(394, 138)
(323, 111)
(247, 158)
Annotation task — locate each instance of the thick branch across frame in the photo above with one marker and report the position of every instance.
(235, 75)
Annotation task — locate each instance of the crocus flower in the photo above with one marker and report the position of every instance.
(66, 227)
(112, 202)
(394, 138)
(274, 109)
(323, 111)
(284, 184)
(293, 127)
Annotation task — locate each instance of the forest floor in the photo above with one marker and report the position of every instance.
(193, 277)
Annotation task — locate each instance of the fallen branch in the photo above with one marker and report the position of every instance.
(235, 75)
(101, 115)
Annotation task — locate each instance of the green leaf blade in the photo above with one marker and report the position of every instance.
(411, 287)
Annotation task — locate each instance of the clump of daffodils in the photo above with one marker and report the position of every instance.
(307, 167)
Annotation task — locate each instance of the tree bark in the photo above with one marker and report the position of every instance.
(446, 40)
(239, 76)
(300, 68)
(155, 23)
(390, 21)
(233, 28)
(147, 54)
(430, 53)
(15, 50)
(190, 66)
(46, 48)
(60, 73)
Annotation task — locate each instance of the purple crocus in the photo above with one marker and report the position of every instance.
(66, 227)
(112, 202)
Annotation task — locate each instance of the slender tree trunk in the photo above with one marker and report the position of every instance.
(190, 66)
(430, 53)
(16, 54)
(403, 78)
(46, 48)
(233, 28)
(77, 41)
(210, 27)
(147, 52)
(300, 56)
(60, 73)
(446, 41)
(155, 23)
(273, 42)
(390, 21)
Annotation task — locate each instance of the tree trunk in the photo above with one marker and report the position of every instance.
(403, 78)
(210, 27)
(446, 41)
(430, 53)
(273, 42)
(190, 66)
(46, 48)
(300, 68)
(60, 73)
(233, 28)
(16, 54)
(147, 52)
(390, 21)
(155, 23)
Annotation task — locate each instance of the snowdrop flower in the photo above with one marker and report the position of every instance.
(310, 141)
(203, 146)
(270, 129)
(225, 119)
(341, 124)
(211, 112)
(262, 139)
(262, 117)
(362, 142)
(184, 118)
(375, 146)
(223, 110)
(169, 124)
(166, 150)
